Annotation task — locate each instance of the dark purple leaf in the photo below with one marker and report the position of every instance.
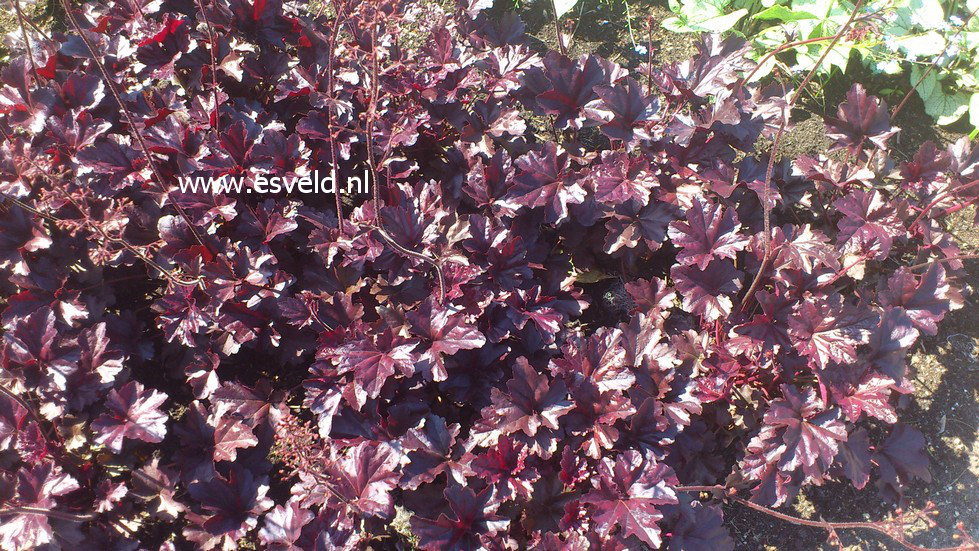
(372, 361)
(626, 493)
(860, 119)
(709, 232)
(38, 487)
(442, 333)
(572, 86)
(473, 515)
(598, 361)
(234, 504)
(812, 433)
(620, 178)
(503, 466)
(364, 478)
(901, 459)
(631, 225)
(855, 457)
(530, 402)
(700, 528)
(544, 180)
(430, 451)
(134, 413)
(707, 292)
(283, 526)
(830, 330)
(926, 299)
(870, 223)
(625, 108)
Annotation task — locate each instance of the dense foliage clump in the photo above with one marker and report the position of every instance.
(576, 292)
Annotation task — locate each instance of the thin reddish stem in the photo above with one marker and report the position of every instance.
(771, 161)
(134, 130)
(27, 42)
(940, 198)
(334, 168)
(879, 527)
(371, 113)
(557, 29)
(60, 515)
(214, 70)
(781, 49)
(944, 260)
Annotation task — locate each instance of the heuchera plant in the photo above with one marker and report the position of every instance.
(197, 370)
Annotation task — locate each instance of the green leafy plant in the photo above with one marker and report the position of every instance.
(799, 31)
(704, 16)
(940, 44)
(813, 22)
(935, 43)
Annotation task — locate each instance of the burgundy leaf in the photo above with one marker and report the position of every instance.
(926, 299)
(372, 361)
(620, 178)
(473, 515)
(230, 435)
(234, 502)
(33, 345)
(706, 292)
(870, 397)
(626, 493)
(572, 86)
(631, 225)
(251, 405)
(861, 118)
(830, 330)
(283, 526)
(855, 457)
(628, 107)
(651, 296)
(544, 180)
(716, 66)
(812, 433)
(364, 477)
(700, 528)
(901, 459)
(503, 465)
(133, 413)
(709, 232)
(870, 223)
(443, 333)
(803, 249)
(890, 342)
(598, 361)
(531, 402)
(157, 485)
(38, 487)
(595, 416)
(430, 451)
